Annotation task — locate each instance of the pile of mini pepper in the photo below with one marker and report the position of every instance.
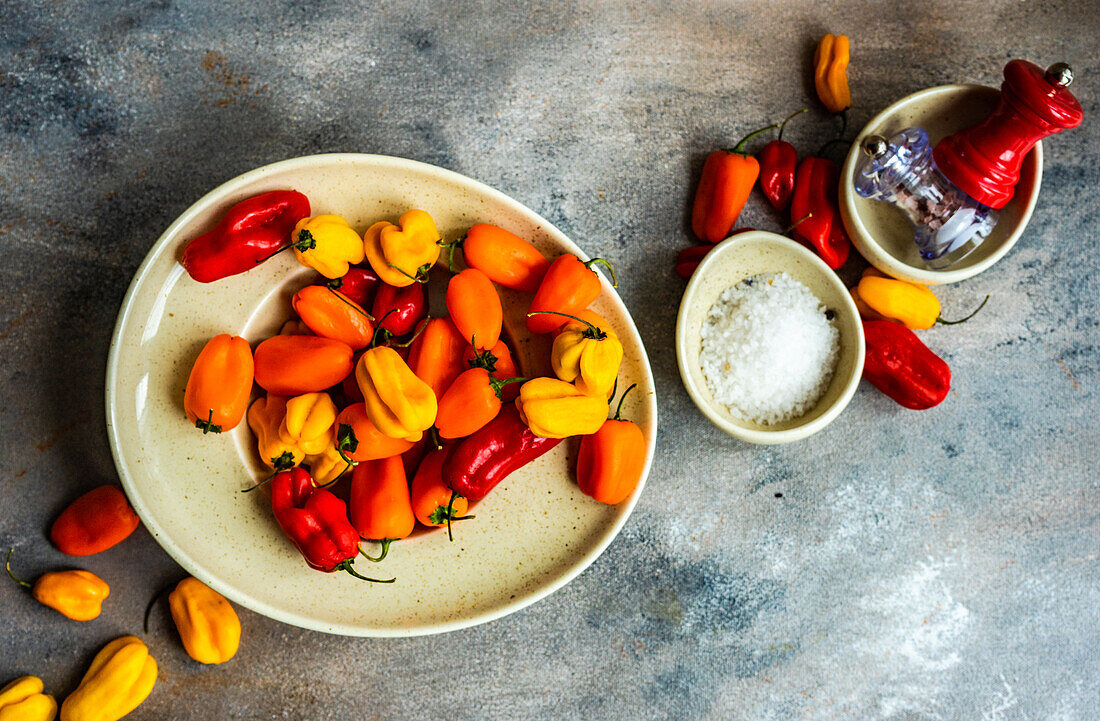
(123, 673)
(374, 416)
(896, 362)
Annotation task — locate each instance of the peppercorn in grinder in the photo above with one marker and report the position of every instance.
(952, 192)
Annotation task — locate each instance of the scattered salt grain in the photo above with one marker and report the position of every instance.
(768, 350)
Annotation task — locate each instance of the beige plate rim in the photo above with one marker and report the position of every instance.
(195, 566)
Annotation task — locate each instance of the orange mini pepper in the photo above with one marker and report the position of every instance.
(569, 286)
(728, 178)
(379, 506)
(504, 257)
(436, 354)
(611, 460)
(290, 365)
(499, 362)
(219, 385)
(434, 503)
(473, 400)
(831, 73)
(75, 594)
(331, 314)
(475, 308)
(208, 626)
(98, 520)
(369, 443)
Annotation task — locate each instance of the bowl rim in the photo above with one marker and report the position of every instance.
(195, 568)
(876, 254)
(712, 259)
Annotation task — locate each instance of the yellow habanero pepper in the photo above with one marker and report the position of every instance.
(265, 418)
(588, 356)
(403, 254)
(121, 676)
(207, 623)
(399, 404)
(831, 73)
(308, 422)
(911, 304)
(75, 594)
(23, 700)
(552, 408)
(326, 243)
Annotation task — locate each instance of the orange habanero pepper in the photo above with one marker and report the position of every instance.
(379, 506)
(436, 354)
(331, 314)
(611, 460)
(728, 178)
(290, 365)
(475, 308)
(98, 520)
(569, 286)
(433, 501)
(505, 257)
(370, 444)
(473, 400)
(219, 385)
(75, 594)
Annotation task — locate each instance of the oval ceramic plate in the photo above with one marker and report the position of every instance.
(533, 534)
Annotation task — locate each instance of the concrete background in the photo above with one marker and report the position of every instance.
(936, 565)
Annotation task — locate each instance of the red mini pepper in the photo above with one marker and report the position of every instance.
(94, 522)
(359, 285)
(399, 310)
(778, 161)
(902, 367)
(814, 211)
(316, 522)
(252, 231)
(728, 178)
(480, 461)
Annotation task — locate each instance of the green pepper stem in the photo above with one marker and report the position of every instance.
(346, 565)
(594, 332)
(385, 549)
(963, 320)
(740, 147)
(153, 602)
(789, 118)
(604, 263)
(798, 222)
(7, 567)
(498, 385)
(261, 483)
(208, 425)
(421, 273)
(619, 409)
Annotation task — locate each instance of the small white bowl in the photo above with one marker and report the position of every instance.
(884, 235)
(728, 263)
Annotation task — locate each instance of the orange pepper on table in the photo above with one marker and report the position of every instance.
(831, 73)
(331, 314)
(75, 594)
(220, 383)
(98, 520)
(475, 308)
(504, 257)
(436, 354)
(611, 460)
(728, 178)
(473, 400)
(290, 365)
(569, 286)
(380, 506)
(403, 254)
(370, 443)
(500, 364)
(434, 503)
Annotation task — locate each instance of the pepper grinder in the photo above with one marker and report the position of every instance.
(952, 192)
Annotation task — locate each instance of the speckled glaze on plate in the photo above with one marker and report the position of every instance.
(727, 264)
(532, 535)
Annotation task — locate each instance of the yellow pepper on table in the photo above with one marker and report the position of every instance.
(75, 594)
(913, 305)
(207, 624)
(308, 422)
(399, 404)
(403, 254)
(23, 700)
(120, 677)
(265, 418)
(831, 73)
(552, 408)
(326, 243)
(588, 356)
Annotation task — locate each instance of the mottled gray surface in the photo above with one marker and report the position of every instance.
(937, 565)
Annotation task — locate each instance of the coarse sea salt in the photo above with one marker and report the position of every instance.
(768, 350)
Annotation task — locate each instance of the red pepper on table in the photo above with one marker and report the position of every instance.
(398, 310)
(778, 161)
(814, 211)
(316, 522)
(359, 285)
(902, 367)
(251, 231)
(482, 460)
(728, 178)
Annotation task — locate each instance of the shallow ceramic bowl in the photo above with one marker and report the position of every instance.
(883, 233)
(532, 534)
(728, 263)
